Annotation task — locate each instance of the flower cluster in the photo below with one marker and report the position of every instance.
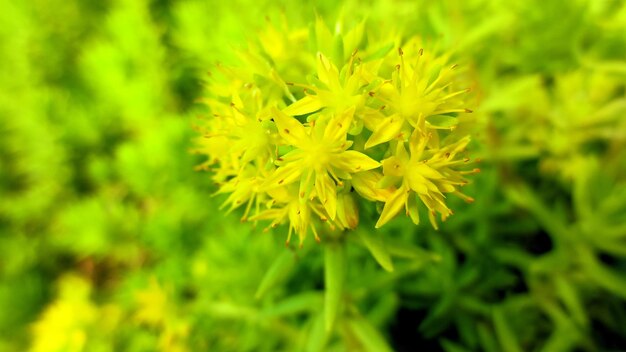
(379, 125)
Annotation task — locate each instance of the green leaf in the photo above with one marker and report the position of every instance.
(603, 276)
(450, 346)
(334, 276)
(407, 251)
(369, 337)
(376, 246)
(487, 340)
(442, 121)
(380, 53)
(505, 334)
(303, 302)
(571, 299)
(338, 50)
(279, 270)
(317, 335)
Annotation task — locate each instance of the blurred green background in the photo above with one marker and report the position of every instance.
(110, 241)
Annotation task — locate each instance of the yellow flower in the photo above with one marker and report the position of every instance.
(65, 323)
(305, 159)
(416, 91)
(157, 311)
(335, 91)
(320, 158)
(424, 174)
(287, 206)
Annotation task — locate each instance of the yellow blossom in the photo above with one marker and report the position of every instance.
(335, 91)
(65, 324)
(320, 158)
(427, 174)
(296, 152)
(418, 89)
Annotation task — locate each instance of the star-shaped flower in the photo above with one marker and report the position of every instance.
(424, 174)
(320, 158)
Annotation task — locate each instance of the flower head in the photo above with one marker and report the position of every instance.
(425, 174)
(298, 152)
(320, 159)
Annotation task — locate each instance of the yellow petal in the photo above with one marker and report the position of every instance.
(417, 183)
(393, 206)
(306, 105)
(371, 118)
(328, 73)
(365, 184)
(387, 130)
(426, 171)
(347, 211)
(276, 214)
(283, 175)
(337, 129)
(306, 185)
(327, 193)
(393, 166)
(411, 209)
(417, 143)
(290, 129)
(445, 187)
(353, 161)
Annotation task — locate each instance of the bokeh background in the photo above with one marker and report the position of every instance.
(111, 241)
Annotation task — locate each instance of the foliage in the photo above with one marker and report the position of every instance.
(112, 241)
